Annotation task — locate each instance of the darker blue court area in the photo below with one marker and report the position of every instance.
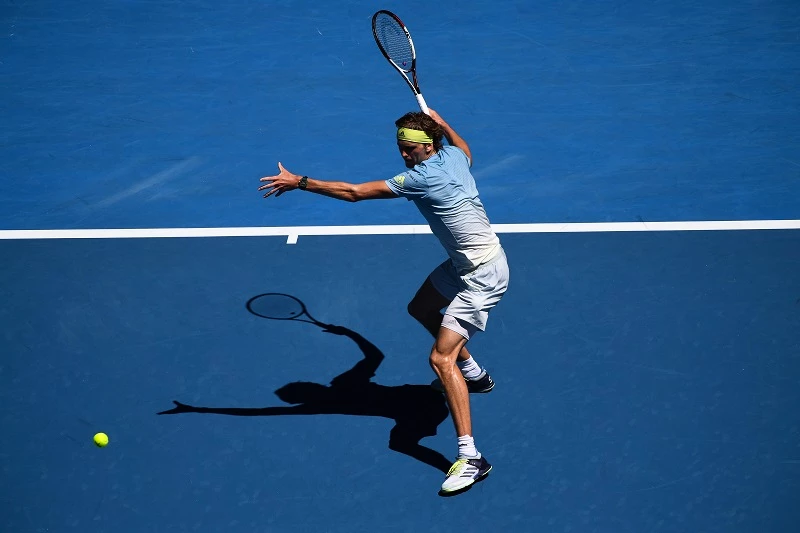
(646, 381)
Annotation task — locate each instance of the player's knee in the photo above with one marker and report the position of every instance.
(441, 361)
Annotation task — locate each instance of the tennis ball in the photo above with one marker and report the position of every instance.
(101, 439)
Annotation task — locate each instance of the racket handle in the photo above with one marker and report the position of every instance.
(422, 105)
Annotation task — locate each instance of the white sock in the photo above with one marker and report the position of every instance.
(469, 368)
(466, 447)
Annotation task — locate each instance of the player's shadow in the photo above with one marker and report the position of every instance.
(416, 409)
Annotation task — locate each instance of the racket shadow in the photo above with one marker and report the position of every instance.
(417, 410)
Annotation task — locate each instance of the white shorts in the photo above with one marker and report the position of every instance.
(474, 293)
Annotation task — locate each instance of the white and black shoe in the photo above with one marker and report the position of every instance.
(481, 384)
(465, 472)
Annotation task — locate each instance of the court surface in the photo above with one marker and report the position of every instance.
(639, 161)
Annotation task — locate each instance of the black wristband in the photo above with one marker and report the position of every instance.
(303, 183)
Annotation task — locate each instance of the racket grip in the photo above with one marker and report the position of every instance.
(422, 105)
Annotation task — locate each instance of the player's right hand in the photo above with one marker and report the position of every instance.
(280, 183)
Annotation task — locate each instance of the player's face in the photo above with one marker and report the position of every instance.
(414, 153)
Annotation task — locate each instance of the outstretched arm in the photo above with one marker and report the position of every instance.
(286, 181)
(453, 138)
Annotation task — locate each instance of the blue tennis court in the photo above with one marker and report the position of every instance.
(639, 161)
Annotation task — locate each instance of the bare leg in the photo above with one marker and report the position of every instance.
(426, 308)
(446, 348)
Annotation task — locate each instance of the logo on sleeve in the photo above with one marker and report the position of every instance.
(400, 179)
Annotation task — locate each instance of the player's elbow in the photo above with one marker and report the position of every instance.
(349, 193)
(355, 195)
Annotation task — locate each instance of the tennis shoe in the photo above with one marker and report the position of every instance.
(481, 384)
(464, 472)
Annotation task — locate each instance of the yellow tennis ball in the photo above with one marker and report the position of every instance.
(101, 439)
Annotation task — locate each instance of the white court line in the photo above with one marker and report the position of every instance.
(292, 233)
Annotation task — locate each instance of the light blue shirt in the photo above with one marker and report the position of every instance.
(444, 191)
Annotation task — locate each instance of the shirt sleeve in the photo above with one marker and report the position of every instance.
(464, 155)
(409, 185)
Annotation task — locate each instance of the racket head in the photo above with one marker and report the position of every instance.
(395, 43)
(278, 306)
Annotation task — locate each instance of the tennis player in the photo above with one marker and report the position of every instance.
(467, 285)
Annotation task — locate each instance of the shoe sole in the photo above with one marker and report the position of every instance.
(467, 483)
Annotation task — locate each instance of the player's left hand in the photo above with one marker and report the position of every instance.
(283, 182)
(435, 116)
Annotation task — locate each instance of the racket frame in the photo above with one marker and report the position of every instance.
(412, 82)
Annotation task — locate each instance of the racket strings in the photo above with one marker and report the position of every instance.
(394, 41)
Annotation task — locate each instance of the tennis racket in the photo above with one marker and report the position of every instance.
(277, 306)
(394, 42)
